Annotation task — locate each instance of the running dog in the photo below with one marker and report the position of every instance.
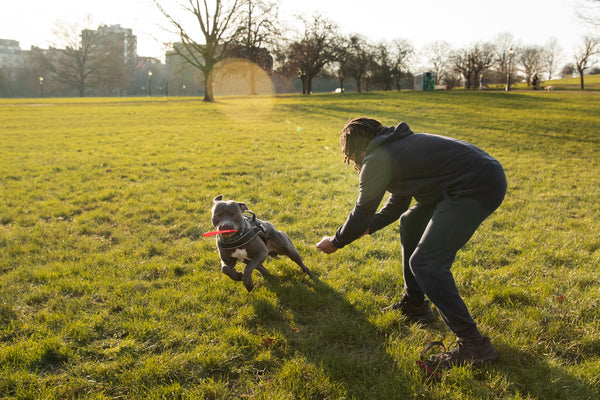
(252, 242)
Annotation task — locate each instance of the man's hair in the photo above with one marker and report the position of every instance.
(357, 134)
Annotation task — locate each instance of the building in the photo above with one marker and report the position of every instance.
(117, 48)
(11, 54)
(114, 63)
(121, 39)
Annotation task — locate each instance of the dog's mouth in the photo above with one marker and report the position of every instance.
(213, 233)
(228, 234)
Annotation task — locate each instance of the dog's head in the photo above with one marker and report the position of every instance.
(227, 215)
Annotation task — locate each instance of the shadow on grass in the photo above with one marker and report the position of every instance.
(326, 330)
(539, 379)
(321, 326)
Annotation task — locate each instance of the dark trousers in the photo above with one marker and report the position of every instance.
(431, 235)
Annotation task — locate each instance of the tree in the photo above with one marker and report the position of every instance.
(470, 63)
(550, 56)
(219, 28)
(306, 56)
(461, 65)
(482, 58)
(584, 54)
(437, 56)
(359, 58)
(567, 70)
(402, 50)
(257, 31)
(384, 65)
(83, 59)
(341, 61)
(530, 58)
(504, 43)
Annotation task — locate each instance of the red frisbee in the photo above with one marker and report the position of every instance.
(219, 232)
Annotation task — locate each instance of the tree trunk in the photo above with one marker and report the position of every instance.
(208, 92)
(252, 82)
(358, 84)
(208, 87)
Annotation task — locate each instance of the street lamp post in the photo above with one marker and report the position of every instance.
(510, 56)
(149, 83)
(41, 86)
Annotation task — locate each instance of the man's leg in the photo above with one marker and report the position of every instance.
(452, 224)
(412, 225)
(413, 304)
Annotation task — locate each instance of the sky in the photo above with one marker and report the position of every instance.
(461, 23)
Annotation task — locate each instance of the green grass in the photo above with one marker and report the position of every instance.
(109, 290)
(591, 83)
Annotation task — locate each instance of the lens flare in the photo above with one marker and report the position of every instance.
(242, 90)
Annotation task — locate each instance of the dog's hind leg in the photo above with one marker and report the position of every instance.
(295, 257)
(286, 247)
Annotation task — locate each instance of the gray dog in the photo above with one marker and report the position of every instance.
(251, 244)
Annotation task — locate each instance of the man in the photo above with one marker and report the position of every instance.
(456, 186)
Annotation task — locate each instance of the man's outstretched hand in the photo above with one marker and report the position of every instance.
(326, 245)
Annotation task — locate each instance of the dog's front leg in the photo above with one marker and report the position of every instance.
(231, 272)
(250, 267)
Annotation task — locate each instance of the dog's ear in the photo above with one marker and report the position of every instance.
(243, 206)
(218, 198)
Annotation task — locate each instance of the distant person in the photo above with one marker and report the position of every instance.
(456, 186)
(535, 82)
(481, 82)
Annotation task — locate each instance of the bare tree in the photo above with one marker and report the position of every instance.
(550, 56)
(482, 57)
(462, 66)
(258, 30)
(470, 63)
(402, 51)
(341, 62)
(530, 58)
(219, 27)
(83, 59)
(505, 43)
(583, 56)
(437, 55)
(307, 56)
(358, 49)
(384, 65)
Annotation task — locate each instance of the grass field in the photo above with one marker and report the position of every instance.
(591, 83)
(109, 290)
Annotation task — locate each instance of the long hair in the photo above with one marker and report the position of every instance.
(356, 135)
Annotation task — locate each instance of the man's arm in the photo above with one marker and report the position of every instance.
(390, 212)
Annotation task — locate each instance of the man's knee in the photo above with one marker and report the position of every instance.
(404, 224)
(411, 224)
(420, 266)
(428, 266)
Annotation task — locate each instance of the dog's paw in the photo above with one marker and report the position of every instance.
(248, 282)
